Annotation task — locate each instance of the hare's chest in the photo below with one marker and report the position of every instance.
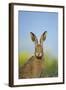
(36, 68)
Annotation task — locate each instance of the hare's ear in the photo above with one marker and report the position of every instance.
(34, 38)
(43, 37)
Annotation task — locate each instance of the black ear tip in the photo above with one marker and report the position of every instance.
(45, 32)
(30, 32)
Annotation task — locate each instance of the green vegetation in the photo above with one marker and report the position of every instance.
(50, 64)
(23, 57)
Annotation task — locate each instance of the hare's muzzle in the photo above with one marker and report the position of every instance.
(39, 51)
(39, 55)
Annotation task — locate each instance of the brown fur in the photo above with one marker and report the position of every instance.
(34, 66)
(32, 69)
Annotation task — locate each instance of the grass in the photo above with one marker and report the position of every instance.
(23, 57)
(50, 64)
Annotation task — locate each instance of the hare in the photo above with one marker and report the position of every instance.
(34, 66)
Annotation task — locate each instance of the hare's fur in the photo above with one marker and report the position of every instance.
(32, 69)
(34, 66)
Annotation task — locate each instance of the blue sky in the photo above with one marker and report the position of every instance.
(37, 22)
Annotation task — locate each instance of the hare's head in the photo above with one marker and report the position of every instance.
(38, 46)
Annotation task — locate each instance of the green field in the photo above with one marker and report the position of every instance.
(50, 64)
